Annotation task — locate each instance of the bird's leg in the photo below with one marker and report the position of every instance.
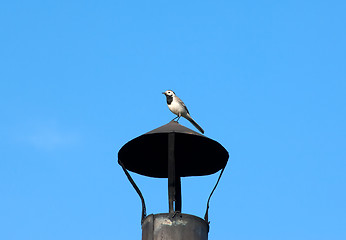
(178, 116)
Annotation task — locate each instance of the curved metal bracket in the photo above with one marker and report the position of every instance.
(218, 180)
(144, 213)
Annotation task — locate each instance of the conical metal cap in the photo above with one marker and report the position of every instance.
(195, 154)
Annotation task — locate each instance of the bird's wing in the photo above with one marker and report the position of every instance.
(182, 103)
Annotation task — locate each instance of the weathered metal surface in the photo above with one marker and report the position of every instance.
(176, 226)
(195, 154)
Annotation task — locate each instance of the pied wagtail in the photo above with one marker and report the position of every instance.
(178, 107)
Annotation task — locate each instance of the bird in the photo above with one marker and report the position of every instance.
(177, 106)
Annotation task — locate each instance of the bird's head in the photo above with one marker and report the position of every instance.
(169, 93)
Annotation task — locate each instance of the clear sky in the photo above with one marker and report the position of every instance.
(266, 79)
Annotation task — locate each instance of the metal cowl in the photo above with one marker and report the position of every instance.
(195, 154)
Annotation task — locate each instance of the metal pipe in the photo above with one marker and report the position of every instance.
(174, 227)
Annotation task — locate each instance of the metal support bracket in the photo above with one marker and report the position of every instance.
(144, 213)
(206, 212)
(174, 183)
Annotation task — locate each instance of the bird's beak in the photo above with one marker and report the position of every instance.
(163, 93)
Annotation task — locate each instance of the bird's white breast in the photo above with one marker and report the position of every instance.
(177, 108)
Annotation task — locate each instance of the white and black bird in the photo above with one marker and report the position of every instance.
(178, 107)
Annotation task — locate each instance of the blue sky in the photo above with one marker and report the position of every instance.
(79, 79)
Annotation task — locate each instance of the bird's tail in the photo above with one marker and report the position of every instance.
(188, 117)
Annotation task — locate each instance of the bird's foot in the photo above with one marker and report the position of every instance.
(176, 120)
